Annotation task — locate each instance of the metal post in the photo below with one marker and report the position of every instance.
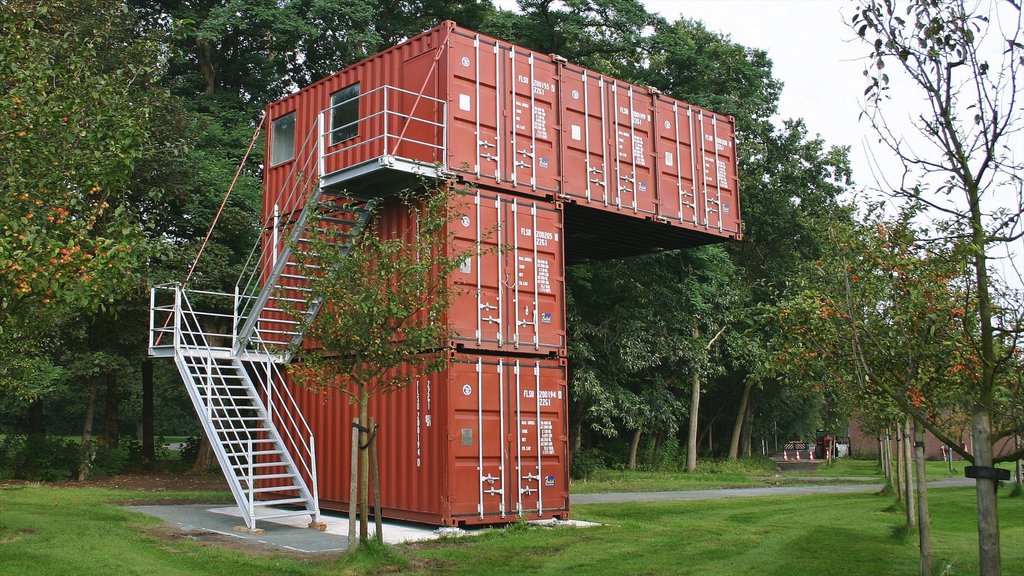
(234, 320)
(387, 124)
(177, 318)
(152, 312)
(313, 480)
(480, 429)
(273, 244)
(501, 427)
(252, 495)
(515, 268)
(320, 143)
(270, 391)
(536, 290)
(540, 473)
(519, 442)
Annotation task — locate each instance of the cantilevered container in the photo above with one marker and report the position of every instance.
(509, 119)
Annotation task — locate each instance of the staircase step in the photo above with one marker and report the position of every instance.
(259, 477)
(243, 467)
(286, 514)
(239, 419)
(274, 489)
(265, 503)
(248, 431)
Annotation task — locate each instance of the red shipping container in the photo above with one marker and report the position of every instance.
(507, 118)
(482, 442)
(509, 290)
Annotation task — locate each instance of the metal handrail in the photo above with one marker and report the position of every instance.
(279, 401)
(298, 188)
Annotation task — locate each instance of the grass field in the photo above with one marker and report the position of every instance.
(936, 470)
(54, 530)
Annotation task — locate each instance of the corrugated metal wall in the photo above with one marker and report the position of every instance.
(487, 439)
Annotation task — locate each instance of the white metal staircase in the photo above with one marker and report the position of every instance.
(231, 349)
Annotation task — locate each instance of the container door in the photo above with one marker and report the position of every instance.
(535, 306)
(478, 315)
(538, 444)
(414, 119)
(531, 164)
(478, 482)
(676, 163)
(632, 188)
(475, 103)
(584, 133)
(714, 142)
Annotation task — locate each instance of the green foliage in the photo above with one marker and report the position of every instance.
(880, 327)
(38, 458)
(388, 298)
(585, 462)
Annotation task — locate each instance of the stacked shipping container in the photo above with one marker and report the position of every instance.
(559, 157)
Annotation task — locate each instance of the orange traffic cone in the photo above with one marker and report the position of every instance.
(810, 454)
(798, 455)
(785, 456)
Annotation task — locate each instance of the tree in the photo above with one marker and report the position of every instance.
(887, 320)
(79, 113)
(385, 303)
(964, 59)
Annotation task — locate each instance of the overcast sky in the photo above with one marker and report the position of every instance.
(815, 54)
(821, 62)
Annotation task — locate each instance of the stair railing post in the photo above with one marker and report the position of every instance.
(268, 366)
(152, 313)
(320, 144)
(209, 387)
(444, 137)
(313, 476)
(234, 320)
(273, 254)
(177, 318)
(252, 499)
(387, 124)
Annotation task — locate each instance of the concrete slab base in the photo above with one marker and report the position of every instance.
(296, 534)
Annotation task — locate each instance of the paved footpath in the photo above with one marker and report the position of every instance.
(618, 497)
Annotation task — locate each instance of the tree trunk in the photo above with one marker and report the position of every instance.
(908, 474)
(36, 425)
(87, 453)
(748, 430)
(111, 417)
(148, 443)
(204, 456)
(375, 463)
(924, 524)
(737, 428)
(989, 561)
(364, 468)
(691, 438)
(353, 486)
(882, 458)
(631, 464)
(899, 464)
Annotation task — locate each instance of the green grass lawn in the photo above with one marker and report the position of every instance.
(717, 474)
(813, 535)
(53, 530)
(936, 470)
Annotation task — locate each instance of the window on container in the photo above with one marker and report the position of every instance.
(345, 114)
(282, 139)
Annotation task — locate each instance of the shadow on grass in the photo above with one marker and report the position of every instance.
(903, 534)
